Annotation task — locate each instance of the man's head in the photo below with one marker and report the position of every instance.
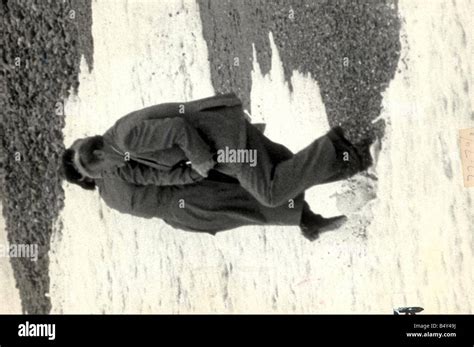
(89, 157)
(86, 160)
(72, 174)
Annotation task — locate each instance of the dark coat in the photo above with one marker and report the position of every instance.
(165, 136)
(210, 205)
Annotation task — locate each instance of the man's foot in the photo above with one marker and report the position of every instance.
(321, 225)
(363, 150)
(351, 158)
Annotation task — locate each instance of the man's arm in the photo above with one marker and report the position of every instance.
(144, 175)
(157, 134)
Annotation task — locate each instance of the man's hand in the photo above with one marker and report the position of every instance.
(203, 168)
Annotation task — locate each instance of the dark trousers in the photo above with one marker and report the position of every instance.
(280, 175)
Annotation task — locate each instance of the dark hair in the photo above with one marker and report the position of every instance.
(72, 175)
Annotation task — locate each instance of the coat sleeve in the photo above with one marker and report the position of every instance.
(177, 109)
(143, 175)
(162, 133)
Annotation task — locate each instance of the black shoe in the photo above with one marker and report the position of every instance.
(351, 159)
(321, 225)
(363, 149)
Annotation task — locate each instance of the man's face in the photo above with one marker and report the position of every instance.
(90, 159)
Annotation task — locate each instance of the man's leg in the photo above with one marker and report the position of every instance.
(277, 177)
